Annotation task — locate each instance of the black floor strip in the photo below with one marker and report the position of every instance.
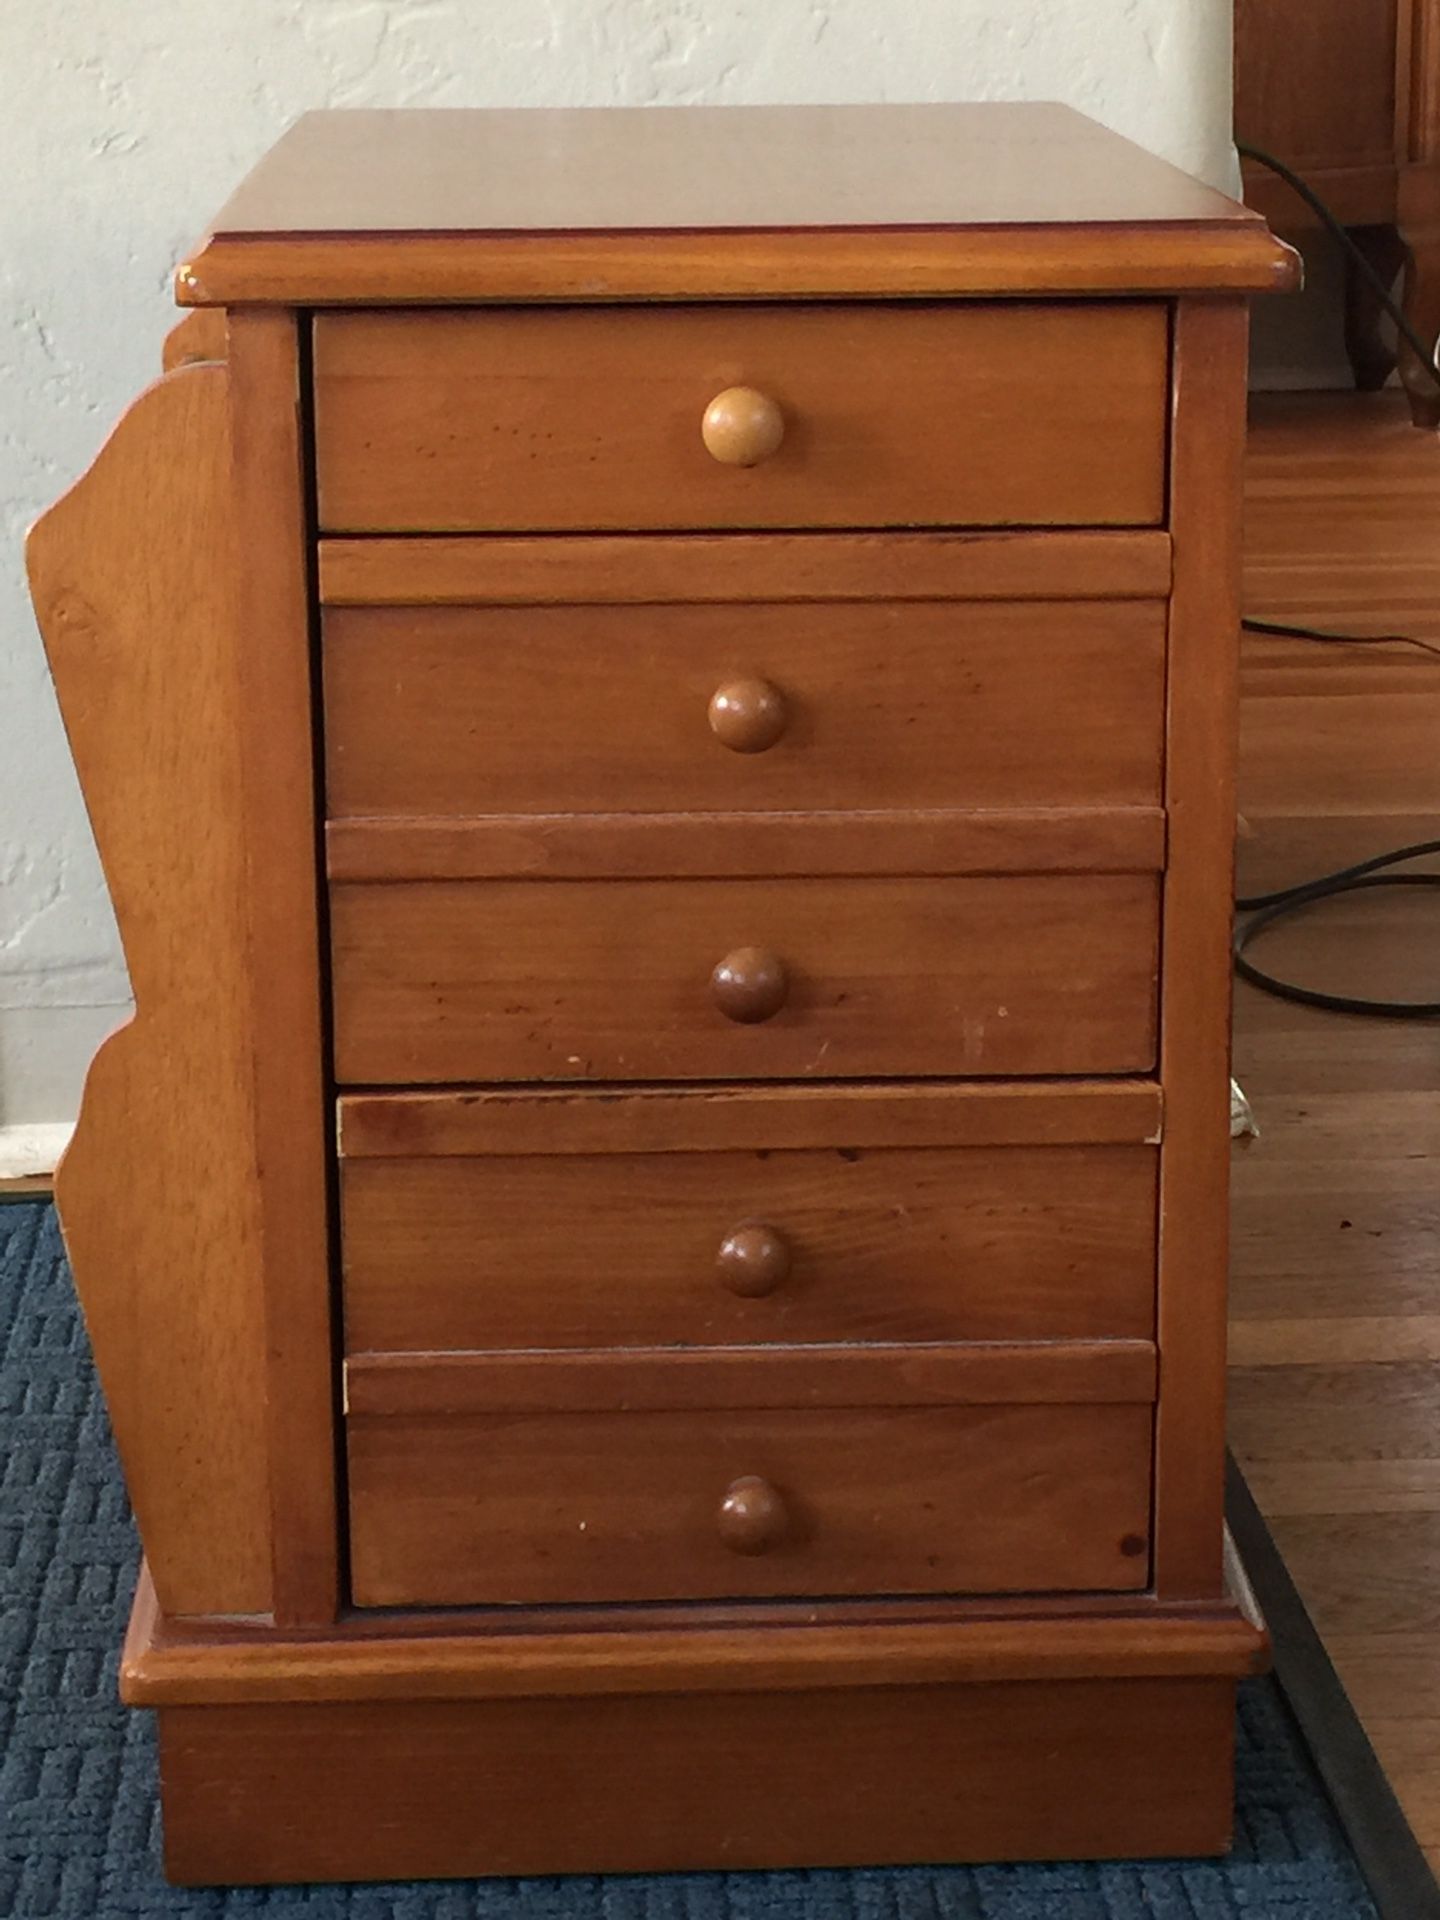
(1391, 1858)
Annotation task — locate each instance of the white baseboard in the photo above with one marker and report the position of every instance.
(35, 1149)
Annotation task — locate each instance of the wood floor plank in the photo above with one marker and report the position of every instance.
(1346, 1251)
(1359, 1338)
(1381, 1670)
(1310, 1138)
(1289, 1487)
(1335, 1384)
(1336, 1412)
(1366, 1573)
(1409, 1751)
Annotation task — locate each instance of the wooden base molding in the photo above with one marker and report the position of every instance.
(665, 1783)
(434, 1746)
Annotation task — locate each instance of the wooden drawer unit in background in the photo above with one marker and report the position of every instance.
(673, 1145)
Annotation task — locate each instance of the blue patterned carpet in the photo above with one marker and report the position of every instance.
(79, 1828)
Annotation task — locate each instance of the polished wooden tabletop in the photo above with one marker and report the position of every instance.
(715, 201)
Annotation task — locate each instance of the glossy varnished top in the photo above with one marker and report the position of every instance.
(706, 202)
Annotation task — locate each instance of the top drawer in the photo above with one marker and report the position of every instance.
(984, 414)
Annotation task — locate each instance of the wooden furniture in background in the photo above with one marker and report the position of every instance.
(671, 815)
(1347, 92)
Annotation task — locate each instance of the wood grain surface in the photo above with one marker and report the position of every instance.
(704, 203)
(776, 1378)
(570, 1506)
(477, 710)
(661, 1782)
(497, 1653)
(753, 1118)
(284, 1043)
(574, 419)
(558, 1250)
(197, 336)
(639, 569)
(697, 846)
(611, 980)
(125, 570)
(1205, 480)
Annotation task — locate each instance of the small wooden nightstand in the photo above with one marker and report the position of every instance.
(656, 692)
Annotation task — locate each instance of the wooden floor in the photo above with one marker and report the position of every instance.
(1335, 1344)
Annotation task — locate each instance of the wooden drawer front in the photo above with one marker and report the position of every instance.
(474, 710)
(983, 414)
(621, 980)
(719, 1248)
(679, 1499)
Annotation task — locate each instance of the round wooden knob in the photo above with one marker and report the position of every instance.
(742, 427)
(749, 984)
(753, 1260)
(752, 1515)
(747, 715)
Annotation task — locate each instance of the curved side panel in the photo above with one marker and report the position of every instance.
(133, 576)
(200, 335)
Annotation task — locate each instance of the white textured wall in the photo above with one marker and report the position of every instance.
(122, 127)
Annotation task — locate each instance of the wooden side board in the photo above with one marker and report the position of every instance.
(894, 1113)
(132, 574)
(639, 569)
(171, 590)
(197, 336)
(1056, 1372)
(361, 271)
(1206, 452)
(498, 1653)
(768, 846)
(285, 1039)
(666, 1782)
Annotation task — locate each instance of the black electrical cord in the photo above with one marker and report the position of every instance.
(1288, 631)
(1265, 908)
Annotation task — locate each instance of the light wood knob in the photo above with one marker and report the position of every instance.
(753, 1516)
(753, 1260)
(749, 984)
(747, 715)
(742, 427)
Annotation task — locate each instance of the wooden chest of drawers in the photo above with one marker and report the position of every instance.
(660, 729)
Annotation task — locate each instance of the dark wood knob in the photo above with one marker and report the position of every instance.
(753, 1517)
(742, 427)
(749, 984)
(747, 715)
(753, 1260)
